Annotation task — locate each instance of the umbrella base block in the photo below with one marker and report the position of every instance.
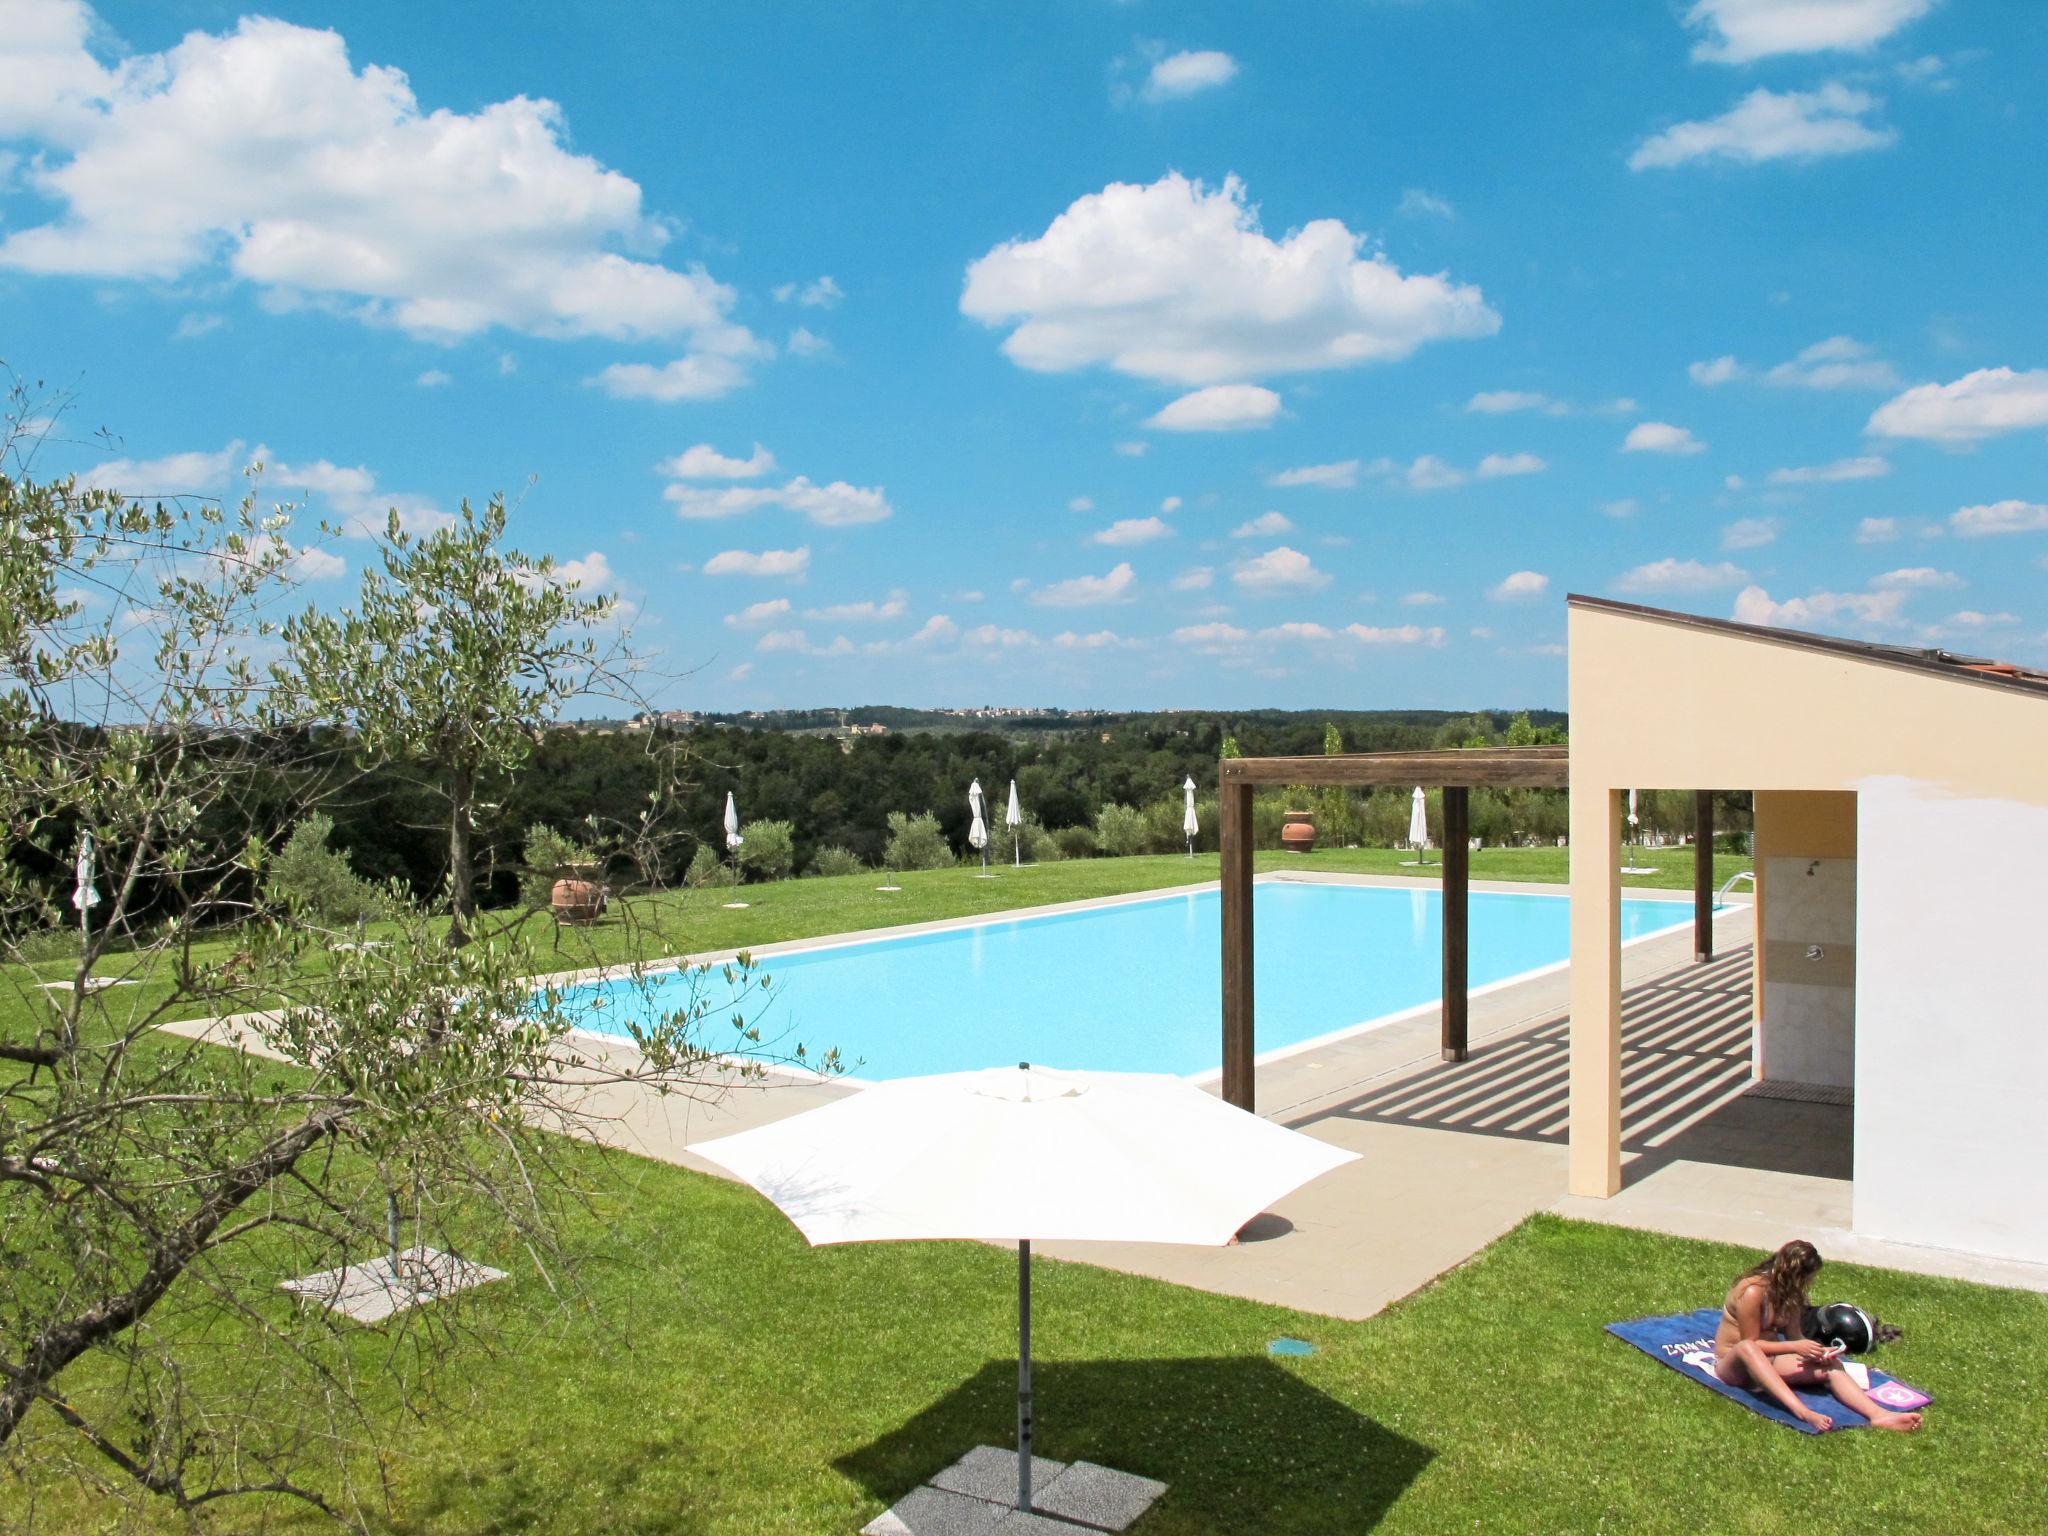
(977, 1496)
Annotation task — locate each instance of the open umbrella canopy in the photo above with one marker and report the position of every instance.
(1025, 1152)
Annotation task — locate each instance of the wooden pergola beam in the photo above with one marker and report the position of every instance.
(1234, 815)
(1457, 916)
(1463, 768)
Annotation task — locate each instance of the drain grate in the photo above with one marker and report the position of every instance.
(1801, 1093)
(1290, 1347)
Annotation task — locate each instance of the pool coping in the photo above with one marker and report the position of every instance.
(671, 964)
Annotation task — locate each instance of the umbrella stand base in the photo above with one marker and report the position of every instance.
(736, 906)
(1078, 1496)
(1639, 869)
(991, 875)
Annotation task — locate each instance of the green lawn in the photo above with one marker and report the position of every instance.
(720, 1378)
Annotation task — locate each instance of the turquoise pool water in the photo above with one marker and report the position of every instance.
(1134, 987)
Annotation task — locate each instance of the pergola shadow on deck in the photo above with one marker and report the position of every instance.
(1685, 1076)
(1457, 772)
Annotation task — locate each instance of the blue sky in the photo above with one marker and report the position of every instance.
(1095, 354)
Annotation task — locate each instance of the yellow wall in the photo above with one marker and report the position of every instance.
(1805, 1006)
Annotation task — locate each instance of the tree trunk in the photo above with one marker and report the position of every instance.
(60, 1343)
(461, 864)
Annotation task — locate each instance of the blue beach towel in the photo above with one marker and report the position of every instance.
(1685, 1342)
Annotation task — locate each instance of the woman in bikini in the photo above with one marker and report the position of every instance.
(1757, 1343)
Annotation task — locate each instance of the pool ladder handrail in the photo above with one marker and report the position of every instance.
(1741, 874)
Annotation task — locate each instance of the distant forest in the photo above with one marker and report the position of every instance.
(837, 790)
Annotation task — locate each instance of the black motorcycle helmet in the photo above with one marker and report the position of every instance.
(1841, 1323)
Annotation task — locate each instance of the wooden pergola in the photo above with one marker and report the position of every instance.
(1457, 773)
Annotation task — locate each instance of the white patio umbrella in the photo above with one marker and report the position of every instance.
(1418, 825)
(83, 895)
(977, 831)
(1188, 824)
(1024, 1153)
(1013, 818)
(733, 838)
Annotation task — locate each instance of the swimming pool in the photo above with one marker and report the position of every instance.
(1130, 987)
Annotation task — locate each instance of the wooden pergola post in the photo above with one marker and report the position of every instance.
(1703, 875)
(1457, 916)
(1235, 831)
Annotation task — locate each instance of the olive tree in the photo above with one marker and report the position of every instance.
(457, 652)
(217, 1094)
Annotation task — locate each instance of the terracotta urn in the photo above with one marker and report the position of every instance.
(1298, 834)
(577, 901)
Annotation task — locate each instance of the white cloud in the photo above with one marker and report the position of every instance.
(263, 151)
(1086, 591)
(1420, 201)
(868, 611)
(1219, 408)
(1210, 637)
(1976, 406)
(1749, 533)
(1496, 466)
(769, 562)
(820, 293)
(1170, 505)
(996, 637)
(1625, 506)
(434, 378)
(508, 365)
(1917, 576)
(1877, 530)
(350, 494)
(1770, 125)
(1132, 530)
(755, 615)
(190, 327)
(1132, 450)
(1422, 599)
(1400, 634)
(1430, 473)
(740, 673)
(1866, 467)
(837, 505)
(1336, 477)
(1298, 631)
(804, 342)
(1186, 73)
(1500, 402)
(1970, 618)
(1279, 569)
(783, 640)
(1081, 504)
(1670, 575)
(1745, 30)
(1838, 362)
(1521, 584)
(1177, 283)
(2013, 516)
(1661, 437)
(1871, 610)
(1101, 639)
(1265, 526)
(936, 630)
(591, 575)
(175, 474)
(1194, 579)
(703, 375)
(704, 462)
(317, 565)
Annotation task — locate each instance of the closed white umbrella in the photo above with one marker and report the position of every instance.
(1418, 824)
(1632, 809)
(1188, 824)
(1017, 1154)
(977, 831)
(1013, 818)
(732, 842)
(83, 897)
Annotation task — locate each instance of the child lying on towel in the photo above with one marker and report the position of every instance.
(1757, 1343)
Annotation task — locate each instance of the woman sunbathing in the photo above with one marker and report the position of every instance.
(1757, 1343)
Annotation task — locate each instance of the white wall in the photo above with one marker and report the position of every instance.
(1951, 1023)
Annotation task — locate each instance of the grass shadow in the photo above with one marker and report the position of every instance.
(1243, 1444)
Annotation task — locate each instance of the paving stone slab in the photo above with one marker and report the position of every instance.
(373, 1291)
(990, 1472)
(1099, 1496)
(936, 1512)
(1022, 1523)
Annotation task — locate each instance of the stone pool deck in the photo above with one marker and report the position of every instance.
(1454, 1155)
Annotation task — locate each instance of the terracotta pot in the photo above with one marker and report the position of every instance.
(1298, 835)
(577, 901)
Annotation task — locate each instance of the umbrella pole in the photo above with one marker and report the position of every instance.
(1024, 1373)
